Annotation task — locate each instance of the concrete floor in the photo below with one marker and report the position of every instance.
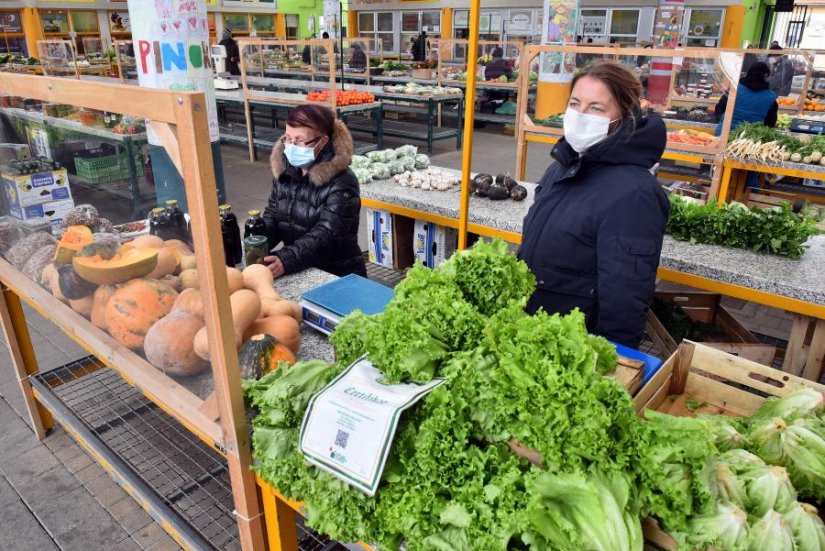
(52, 496)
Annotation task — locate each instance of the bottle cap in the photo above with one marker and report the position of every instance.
(254, 213)
(157, 210)
(172, 203)
(224, 208)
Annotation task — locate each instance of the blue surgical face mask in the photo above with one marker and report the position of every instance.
(299, 157)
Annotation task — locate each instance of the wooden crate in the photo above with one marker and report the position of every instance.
(706, 308)
(707, 376)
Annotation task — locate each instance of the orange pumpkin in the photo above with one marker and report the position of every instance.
(100, 298)
(75, 238)
(135, 307)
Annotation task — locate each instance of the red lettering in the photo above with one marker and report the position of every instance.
(143, 49)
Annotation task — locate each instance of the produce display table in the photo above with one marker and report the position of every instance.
(793, 285)
(732, 183)
(268, 138)
(131, 146)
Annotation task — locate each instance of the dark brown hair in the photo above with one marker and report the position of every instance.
(624, 85)
(317, 117)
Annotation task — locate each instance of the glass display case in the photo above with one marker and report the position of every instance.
(125, 56)
(58, 57)
(496, 62)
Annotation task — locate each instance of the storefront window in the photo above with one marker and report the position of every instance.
(55, 22)
(704, 27)
(85, 22)
(12, 39)
(409, 22)
(263, 24)
(384, 22)
(431, 22)
(378, 26)
(236, 22)
(624, 23)
(292, 27)
(366, 22)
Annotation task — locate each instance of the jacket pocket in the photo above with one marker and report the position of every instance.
(558, 280)
(638, 257)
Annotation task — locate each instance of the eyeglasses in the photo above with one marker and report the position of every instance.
(300, 143)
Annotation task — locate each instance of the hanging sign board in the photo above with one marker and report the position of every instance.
(119, 22)
(667, 29)
(521, 23)
(171, 41)
(559, 28)
(349, 426)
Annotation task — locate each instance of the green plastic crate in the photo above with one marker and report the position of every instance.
(99, 170)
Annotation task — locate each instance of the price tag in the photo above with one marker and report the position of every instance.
(349, 426)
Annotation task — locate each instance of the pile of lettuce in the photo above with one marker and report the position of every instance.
(528, 445)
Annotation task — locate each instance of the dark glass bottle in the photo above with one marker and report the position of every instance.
(231, 232)
(177, 226)
(255, 225)
(155, 218)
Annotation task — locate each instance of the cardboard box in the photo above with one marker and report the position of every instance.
(390, 239)
(53, 212)
(433, 244)
(35, 189)
(810, 182)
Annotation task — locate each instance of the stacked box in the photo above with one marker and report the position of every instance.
(390, 239)
(45, 195)
(433, 244)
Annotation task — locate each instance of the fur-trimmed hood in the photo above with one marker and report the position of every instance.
(331, 161)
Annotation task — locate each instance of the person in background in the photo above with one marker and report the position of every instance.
(750, 59)
(358, 59)
(782, 71)
(497, 66)
(594, 233)
(306, 56)
(413, 46)
(422, 47)
(315, 205)
(755, 102)
(233, 54)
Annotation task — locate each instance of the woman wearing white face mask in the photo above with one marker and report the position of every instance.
(315, 204)
(594, 233)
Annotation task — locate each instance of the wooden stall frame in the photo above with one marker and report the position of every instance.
(181, 116)
(250, 94)
(117, 45)
(447, 45)
(42, 44)
(528, 131)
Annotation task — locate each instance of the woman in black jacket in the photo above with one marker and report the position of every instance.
(315, 205)
(594, 234)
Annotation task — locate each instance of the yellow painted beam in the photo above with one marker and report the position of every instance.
(745, 293)
(411, 213)
(486, 231)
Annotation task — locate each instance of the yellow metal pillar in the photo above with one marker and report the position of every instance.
(732, 31)
(469, 119)
(352, 23)
(33, 29)
(446, 23)
(280, 25)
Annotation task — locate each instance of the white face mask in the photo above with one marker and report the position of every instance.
(583, 131)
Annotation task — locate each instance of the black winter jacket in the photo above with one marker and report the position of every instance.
(316, 216)
(594, 234)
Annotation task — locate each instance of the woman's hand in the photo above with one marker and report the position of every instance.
(275, 265)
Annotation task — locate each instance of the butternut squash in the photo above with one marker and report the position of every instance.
(172, 281)
(188, 262)
(258, 278)
(190, 300)
(284, 328)
(179, 245)
(272, 307)
(82, 306)
(246, 307)
(50, 278)
(167, 263)
(146, 242)
(235, 278)
(189, 279)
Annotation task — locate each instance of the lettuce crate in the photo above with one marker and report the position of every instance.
(111, 168)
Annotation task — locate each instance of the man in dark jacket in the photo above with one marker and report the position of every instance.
(782, 72)
(497, 66)
(233, 54)
(316, 215)
(594, 233)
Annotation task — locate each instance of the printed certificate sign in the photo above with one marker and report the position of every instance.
(349, 426)
(559, 29)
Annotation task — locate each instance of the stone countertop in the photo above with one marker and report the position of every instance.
(503, 215)
(797, 279)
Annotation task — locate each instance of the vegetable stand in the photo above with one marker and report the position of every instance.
(733, 186)
(209, 405)
(130, 186)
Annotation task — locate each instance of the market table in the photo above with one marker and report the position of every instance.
(433, 104)
(236, 97)
(131, 145)
(793, 285)
(732, 184)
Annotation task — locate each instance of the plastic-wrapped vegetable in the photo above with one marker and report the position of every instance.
(390, 155)
(363, 174)
(771, 532)
(380, 171)
(421, 161)
(408, 162)
(808, 529)
(396, 167)
(379, 156)
(406, 151)
(770, 489)
(359, 161)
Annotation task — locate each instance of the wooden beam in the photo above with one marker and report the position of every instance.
(199, 180)
(169, 138)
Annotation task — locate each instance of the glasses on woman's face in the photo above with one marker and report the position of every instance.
(300, 143)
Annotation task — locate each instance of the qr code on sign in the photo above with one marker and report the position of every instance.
(341, 439)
